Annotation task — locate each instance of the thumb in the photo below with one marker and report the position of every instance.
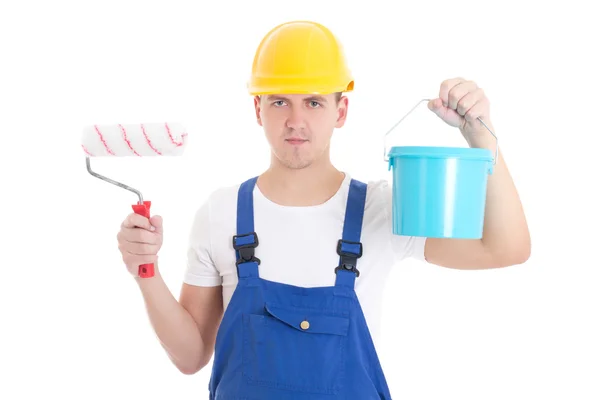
(157, 223)
(437, 107)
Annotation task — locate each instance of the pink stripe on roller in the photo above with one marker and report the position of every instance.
(148, 140)
(127, 140)
(171, 136)
(86, 151)
(103, 141)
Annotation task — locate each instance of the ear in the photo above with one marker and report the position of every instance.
(257, 109)
(342, 111)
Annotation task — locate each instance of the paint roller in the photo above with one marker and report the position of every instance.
(133, 140)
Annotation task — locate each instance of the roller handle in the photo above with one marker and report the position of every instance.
(144, 270)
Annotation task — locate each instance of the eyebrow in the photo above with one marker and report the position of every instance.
(309, 98)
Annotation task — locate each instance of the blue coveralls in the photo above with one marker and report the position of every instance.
(283, 342)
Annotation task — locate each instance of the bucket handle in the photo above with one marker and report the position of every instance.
(385, 156)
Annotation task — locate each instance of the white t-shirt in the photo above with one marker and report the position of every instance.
(297, 245)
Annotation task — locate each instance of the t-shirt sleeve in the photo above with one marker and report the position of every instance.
(403, 246)
(201, 269)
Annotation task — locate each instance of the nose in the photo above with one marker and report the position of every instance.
(295, 119)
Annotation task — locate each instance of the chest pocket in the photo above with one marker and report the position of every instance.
(295, 349)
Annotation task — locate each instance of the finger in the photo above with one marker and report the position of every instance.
(138, 235)
(139, 249)
(477, 111)
(458, 92)
(468, 101)
(445, 88)
(134, 220)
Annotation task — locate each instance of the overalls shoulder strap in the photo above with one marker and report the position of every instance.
(349, 247)
(246, 239)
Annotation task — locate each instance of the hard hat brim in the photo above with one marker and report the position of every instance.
(257, 90)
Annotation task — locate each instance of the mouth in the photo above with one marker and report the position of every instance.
(296, 141)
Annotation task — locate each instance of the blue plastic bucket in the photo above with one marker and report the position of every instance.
(439, 192)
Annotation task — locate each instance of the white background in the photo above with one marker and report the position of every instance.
(73, 323)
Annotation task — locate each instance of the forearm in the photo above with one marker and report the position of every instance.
(176, 330)
(505, 233)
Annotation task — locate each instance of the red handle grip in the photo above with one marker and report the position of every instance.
(144, 270)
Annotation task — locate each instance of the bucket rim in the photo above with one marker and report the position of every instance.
(465, 153)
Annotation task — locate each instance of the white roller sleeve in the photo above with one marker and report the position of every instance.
(124, 140)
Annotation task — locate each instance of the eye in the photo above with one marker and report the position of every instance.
(314, 104)
(279, 103)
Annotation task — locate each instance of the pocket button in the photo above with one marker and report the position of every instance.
(304, 325)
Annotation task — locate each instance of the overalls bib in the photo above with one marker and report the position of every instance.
(283, 342)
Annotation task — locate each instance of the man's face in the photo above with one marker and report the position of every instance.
(299, 127)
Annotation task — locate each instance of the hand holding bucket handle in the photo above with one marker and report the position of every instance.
(385, 151)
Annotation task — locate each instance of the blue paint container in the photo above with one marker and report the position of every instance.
(439, 192)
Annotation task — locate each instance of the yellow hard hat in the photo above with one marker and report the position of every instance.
(300, 57)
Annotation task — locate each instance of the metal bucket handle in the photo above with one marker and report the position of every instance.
(385, 156)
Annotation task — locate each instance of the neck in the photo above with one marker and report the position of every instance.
(309, 186)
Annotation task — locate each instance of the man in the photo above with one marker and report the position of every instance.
(277, 285)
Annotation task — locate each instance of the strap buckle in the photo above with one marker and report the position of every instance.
(349, 253)
(245, 247)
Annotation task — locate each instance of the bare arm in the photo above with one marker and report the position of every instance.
(205, 305)
(185, 329)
